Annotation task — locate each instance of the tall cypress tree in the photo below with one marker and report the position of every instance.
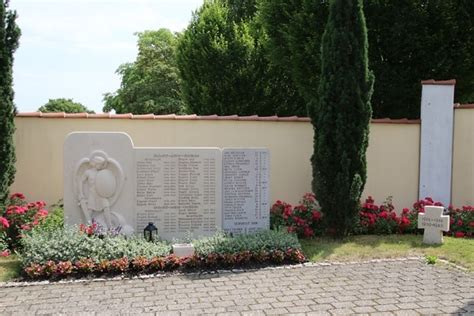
(341, 116)
(9, 36)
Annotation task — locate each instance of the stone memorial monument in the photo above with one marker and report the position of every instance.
(183, 191)
(434, 223)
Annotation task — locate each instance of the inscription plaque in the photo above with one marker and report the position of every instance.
(245, 194)
(179, 190)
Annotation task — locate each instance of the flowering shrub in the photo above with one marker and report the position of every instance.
(95, 229)
(19, 217)
(462, 221)
(304, 219)
(140, 263)
(279, 214)
(83, 265)
(374, 219)
(412, 215)
(51, 269)
(118, 265)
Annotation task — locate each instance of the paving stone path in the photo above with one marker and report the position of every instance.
(400, 287)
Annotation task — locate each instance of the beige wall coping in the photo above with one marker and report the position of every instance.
(450, 82)
(151, 116)
(463, 106)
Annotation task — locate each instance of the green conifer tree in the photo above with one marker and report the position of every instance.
(341, 116)
(9, 36)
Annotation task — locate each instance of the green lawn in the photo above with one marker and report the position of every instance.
(455, 250)
(9, 268)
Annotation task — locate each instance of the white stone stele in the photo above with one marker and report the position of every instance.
(434, 223)
(179, 190)
(92, 190)
(436, 143)
(246, 183)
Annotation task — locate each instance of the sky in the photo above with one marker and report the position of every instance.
(72, 48)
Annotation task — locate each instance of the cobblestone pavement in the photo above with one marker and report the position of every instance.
(401, 287)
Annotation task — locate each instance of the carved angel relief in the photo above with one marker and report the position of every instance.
(98, 183)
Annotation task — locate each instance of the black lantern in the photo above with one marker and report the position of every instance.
(150, 232)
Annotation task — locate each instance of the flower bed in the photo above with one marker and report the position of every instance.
(87, 266)
(305, 218)
(72, 252)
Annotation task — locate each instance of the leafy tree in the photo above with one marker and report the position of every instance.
(151, 84)
(294, 29)
(64, 105)
(409, 41)
(241, 10)
(214, 58)
(342, 114)
(223, 61)
(9, 40)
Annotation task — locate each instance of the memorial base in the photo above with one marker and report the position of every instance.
(183, 250)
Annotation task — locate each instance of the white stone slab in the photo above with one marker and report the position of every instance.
(99, 179)
(179, 190)
(246, 189)
(434, 223)
(437, 121)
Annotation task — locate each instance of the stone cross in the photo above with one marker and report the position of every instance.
(434, 223)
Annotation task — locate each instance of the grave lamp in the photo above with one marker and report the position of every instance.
(150, 232)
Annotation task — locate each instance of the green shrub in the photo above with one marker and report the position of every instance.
(260, 241)
(40, 246)
(54, 220)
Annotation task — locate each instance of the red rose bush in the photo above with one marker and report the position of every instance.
(305, 219)
(19, 217)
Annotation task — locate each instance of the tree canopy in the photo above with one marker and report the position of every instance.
(215, 62)
(64, 105)
(294, 29)
(222, 57)
(151, 84)
(408, 41)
